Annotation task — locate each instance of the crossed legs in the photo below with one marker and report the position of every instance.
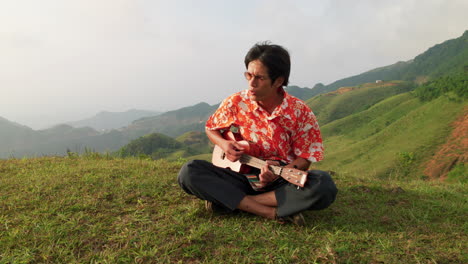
(232, 190)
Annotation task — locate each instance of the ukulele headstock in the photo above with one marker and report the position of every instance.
(294, 176)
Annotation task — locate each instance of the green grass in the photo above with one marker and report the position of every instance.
(99, 209)
(458, 174)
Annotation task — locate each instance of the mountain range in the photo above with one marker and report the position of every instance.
(105, 120)
(106, 131)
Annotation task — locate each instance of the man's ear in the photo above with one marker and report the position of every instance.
(278, 82)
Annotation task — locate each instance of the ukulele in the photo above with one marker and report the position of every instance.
(294, 176)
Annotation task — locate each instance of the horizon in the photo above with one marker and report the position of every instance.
(64, 62)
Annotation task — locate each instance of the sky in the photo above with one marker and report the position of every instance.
(65, 60)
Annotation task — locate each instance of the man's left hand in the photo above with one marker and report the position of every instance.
(266, 175)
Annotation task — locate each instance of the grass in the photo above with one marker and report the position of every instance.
(99, 209)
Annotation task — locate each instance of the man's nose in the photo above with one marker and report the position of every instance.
(253, 82)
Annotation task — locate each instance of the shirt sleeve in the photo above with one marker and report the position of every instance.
(307, 142)
(223, 117)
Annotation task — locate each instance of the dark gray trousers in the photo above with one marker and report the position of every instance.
(227, 188)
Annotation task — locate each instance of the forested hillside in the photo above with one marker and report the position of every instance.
(160, 146)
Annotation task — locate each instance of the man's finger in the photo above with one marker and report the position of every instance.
(238, 147)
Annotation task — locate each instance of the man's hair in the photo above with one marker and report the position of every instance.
(274, 57)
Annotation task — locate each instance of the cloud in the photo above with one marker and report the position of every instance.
(80, 57)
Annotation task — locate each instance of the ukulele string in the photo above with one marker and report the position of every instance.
(258, 163)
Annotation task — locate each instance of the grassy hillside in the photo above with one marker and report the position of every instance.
(393, 138)
(348, 100)
(97, 209)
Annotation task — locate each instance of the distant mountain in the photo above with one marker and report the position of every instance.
(173, 123)
(18, 141)
(450, 56)
(12, 135)
(112, 120)
(192, 118)
(8, 127)
(299, 92)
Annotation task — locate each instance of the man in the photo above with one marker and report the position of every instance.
(280, 128)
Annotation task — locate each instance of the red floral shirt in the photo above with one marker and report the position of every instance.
(291, 131)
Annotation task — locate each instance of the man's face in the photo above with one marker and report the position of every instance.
(260, 84)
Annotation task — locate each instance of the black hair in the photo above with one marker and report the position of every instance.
(274, 57)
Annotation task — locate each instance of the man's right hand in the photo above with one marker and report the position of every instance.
(232, 149)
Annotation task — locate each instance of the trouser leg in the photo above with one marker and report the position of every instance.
(318, 193)
(208, 182)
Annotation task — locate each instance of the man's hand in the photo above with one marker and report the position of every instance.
(266, 175)
(232, 149)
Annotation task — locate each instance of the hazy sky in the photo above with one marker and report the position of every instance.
(64, 60)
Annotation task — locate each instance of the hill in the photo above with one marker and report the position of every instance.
(173, 123)
(450, 56)
(155, 145)
(348, 100)
(18, 141)
(160, 146)
(302, 93)
(12, 134)
(396, 136)
(21, 141)
(112, 120)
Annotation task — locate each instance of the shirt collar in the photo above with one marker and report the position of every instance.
(279, 111)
